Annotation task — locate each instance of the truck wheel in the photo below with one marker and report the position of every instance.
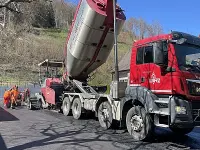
(105, 115)
(66, 106)
(139, 123)
(39, 104)
(76, 108)
(30, 106)
(181, 131)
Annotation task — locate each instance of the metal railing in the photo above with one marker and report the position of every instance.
(6, 85)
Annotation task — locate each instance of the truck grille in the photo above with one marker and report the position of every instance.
(194, 88)
(196, 111)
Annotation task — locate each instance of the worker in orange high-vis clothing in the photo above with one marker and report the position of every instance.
(7, 98)
(14, 96)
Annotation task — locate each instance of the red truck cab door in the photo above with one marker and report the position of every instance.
(145, 72)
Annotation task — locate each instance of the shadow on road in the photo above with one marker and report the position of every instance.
(86, 134)
(2, 144)
(71, 138)
(80, 138)
(6, 116)
(174, 140)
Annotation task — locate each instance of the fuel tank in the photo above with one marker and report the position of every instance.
(91, 37)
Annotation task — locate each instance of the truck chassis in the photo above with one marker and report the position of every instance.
(138, 109)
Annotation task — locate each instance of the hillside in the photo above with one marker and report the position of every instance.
(19, 60)
(35, 31)
(21, 56)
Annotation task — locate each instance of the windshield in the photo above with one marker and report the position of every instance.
(188, 57)
(52, 72)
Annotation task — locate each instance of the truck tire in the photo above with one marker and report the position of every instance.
(76, 108)
(66, 106)
(29, 105)
(105, 115)
(39, 104)
(181, 131)
(139, 124)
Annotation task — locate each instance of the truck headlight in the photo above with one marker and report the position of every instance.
(180, 110)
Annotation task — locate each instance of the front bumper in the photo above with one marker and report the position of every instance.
(183, 113)
(196, 112)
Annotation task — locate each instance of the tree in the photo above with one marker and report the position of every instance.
(42, 14)
(64, 13)
(139, 28)
(129, 24)
(12, 6)
(154, 29)
(7, 4)
(39, 13)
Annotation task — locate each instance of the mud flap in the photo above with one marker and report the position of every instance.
(180, 113)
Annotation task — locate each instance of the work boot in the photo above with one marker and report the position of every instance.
(12, 107)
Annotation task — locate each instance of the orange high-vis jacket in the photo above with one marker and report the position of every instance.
(6, 96)
(14, 94)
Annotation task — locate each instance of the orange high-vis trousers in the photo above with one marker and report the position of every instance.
(14, 96)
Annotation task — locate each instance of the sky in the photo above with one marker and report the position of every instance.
(176, 15)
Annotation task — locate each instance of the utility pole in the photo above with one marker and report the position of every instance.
(116, 79)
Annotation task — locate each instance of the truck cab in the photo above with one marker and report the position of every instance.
(166, 67)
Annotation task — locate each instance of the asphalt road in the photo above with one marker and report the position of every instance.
(48, 130)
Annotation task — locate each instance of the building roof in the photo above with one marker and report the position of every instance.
(124, 63)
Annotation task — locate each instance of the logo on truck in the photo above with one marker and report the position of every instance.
(153, 79)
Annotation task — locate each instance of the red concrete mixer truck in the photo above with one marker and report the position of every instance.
(163, 78)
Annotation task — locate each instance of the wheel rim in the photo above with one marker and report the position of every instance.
(104, 114)
(65, 105)
(136, 123)
(29, 105)
(76, 109)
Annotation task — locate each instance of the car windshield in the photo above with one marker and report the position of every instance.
(188, 57)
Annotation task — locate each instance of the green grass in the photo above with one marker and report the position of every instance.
(57, 34)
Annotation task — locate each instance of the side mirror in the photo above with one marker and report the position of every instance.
(178, 41)
(161, 53)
